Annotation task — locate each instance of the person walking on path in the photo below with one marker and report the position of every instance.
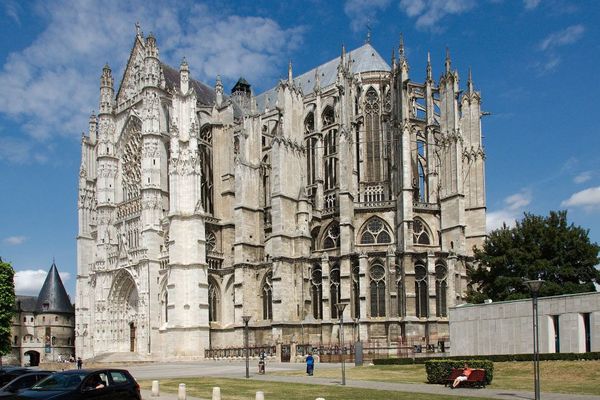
(79, 363)
(310, 365)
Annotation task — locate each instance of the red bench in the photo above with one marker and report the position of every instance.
(476, 378)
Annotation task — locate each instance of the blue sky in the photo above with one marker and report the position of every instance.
(534, 61)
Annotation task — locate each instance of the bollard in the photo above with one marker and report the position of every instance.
(155, 389)
(181, 394)
(319, 398)
(260, 395)
(216, 393)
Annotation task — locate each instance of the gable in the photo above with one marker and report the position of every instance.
(128, 87)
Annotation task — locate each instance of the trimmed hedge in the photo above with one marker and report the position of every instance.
(439, 370)
(494, 358)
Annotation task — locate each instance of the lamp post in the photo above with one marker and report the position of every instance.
(246, 319)
(340, 310)
(534, 287)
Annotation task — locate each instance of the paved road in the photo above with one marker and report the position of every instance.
(236, 369)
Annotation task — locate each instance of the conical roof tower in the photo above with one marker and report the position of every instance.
(53, 297)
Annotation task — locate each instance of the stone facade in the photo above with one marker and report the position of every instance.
(567, 324)
(43, 329)
(350, 183)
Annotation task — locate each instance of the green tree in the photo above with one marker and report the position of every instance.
(537, 247)
(7, 306)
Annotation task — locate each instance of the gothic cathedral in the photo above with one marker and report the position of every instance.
(347, 184)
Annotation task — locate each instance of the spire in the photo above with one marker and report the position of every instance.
(138, 30)
(184, 76)
(219, 91)
(106, 80)
(53, 297)
(317, 80)
(401, 46)
(470, 82)
(448, 61)
(368, 41)
(393, 60)
(290, 74)
(429, 75)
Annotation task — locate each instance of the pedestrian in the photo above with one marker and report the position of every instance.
(310, 364)
(261, 364)
(463, 376)
(79, 363)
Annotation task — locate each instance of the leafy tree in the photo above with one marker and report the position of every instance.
(537, 247)
(7, 306)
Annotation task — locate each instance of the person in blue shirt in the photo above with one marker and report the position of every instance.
(310, 364)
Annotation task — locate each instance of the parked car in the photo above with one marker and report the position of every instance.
(82, 384)
(7, 374)
(22, 382)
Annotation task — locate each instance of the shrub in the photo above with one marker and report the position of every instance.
(439, 370)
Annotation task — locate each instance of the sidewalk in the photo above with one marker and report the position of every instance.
(147, 395)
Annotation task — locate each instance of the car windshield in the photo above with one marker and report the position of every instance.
(60, 382)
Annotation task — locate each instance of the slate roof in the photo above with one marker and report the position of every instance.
(54, 294)
(26, 303)
(363, 59)
(204, 93)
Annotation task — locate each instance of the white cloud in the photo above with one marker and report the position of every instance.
(50, 87)
(514, 205)
(531, 4)
(589, 199)
(429, 12)
(364, 12)
(583, 177)
(562, 38)
(12, 9)
(29, 282)
(14, 240)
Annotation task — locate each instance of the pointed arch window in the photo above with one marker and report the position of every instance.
(316, 291)
(335, 294)
(131, 160)
(421, 309)
(330, 159)
(206, 163)
(214, 301)
(375, 232)
(420, 232)
(331, 239)
(267, 296)
(422, 190)
(328, 116)
(441, 289)
(266, 180)
(311, 149)
(377, 289)
(373, 136)
(355, 289)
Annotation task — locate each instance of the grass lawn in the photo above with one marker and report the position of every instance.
(575, 377)
(241, 389)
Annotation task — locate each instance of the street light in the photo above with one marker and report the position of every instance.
(246, 319)
(340, 310)
(534, 287)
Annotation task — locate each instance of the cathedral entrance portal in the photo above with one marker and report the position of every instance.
(34, 358)
(131, 336)
(124, 310)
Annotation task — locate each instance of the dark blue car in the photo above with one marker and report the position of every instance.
(98, 384)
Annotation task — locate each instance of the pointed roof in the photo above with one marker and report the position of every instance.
(362, 59)
(204, 93)
(53, 297)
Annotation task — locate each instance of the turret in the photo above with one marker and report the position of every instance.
(290, 74)
(93, 128)
(107, 90)
(241, 94)
(429, 73)
(151, 62)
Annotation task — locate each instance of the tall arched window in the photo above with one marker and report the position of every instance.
(356, 289)
(206, 162)
(421, 291)
(311, 149)
(400, 293)
(335, 294)
(377, 289)
(441, 286)
(331, 239)
(131, 160)
(316, 291)
(421, 157)
(328, 116)
(267, 296)
(420, 235)
(214, 301)
(373, 136)
(330, 159)
(375, 232)
(266, 180)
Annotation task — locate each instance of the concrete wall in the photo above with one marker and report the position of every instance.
(507, 327)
